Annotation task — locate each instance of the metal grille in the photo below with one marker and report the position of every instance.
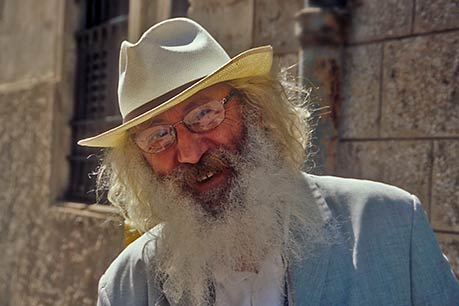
(96, 107)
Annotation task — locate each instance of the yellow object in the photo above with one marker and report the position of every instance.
(130, 234)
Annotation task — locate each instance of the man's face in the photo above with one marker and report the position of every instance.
(193, 148)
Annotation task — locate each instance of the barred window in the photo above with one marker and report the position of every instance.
(96, 110)
(179, 8)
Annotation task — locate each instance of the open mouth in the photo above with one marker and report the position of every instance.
(210, 188)
(206, 177)
(209, 176)
(210, 180)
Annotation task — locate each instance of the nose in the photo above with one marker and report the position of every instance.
(190, 146)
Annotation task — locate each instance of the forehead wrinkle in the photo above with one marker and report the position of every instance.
(204, 96)
(183, 108)
(174, 112)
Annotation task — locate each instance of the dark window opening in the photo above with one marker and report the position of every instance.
(96, 107)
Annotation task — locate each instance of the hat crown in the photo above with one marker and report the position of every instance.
(168, 55)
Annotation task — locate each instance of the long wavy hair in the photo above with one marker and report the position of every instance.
(280, 105)
(283, 110)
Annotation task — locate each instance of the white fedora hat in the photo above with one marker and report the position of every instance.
(173, 60)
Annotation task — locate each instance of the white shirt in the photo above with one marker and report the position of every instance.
(264, 288)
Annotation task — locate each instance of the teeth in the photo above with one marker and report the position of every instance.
(207, 176)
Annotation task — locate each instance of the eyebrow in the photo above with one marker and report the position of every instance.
(156, 121)
(196, 102)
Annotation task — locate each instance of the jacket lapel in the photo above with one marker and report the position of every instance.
(305, 278)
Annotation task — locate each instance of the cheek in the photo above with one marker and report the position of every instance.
(161, 163)
(230, 133)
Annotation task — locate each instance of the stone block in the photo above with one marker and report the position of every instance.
(449, 244)
(229, 21)
(49, 257)
(28, 39)
(274, 24)
(375, 20)
(70, 254)
(25, 140)
(436, 15)
(445, 186)
(405, 164)
(360, 86)
(420, 95)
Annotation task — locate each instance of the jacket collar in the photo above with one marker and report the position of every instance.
(306, 277)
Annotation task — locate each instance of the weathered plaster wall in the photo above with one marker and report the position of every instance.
(242, 24)
(50, 255)
(22, 39)
(399, 118)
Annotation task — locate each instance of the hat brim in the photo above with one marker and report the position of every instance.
(253, 62)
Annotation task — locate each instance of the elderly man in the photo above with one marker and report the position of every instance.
(207, 164)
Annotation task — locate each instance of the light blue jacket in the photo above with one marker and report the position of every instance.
(385, 254)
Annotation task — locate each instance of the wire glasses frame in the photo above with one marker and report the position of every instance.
(203, 118)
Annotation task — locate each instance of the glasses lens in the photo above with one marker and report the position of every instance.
(205, 117)
(155, 139)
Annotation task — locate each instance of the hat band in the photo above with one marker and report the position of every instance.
(157, 101)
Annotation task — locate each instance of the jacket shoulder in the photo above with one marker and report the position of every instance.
(130, 278)
(359, 205)
(331, 186)
(376, 219)
(354, 194)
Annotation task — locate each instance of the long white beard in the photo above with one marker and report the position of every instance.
(266, 213)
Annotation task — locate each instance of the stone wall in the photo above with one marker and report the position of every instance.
(399, 111)
(51, 254)
(242, 24)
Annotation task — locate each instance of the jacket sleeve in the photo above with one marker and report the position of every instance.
(130, 279)
(124, 283)
(432, 280)
(102, 299)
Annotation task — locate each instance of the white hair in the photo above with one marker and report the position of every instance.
(265, 210)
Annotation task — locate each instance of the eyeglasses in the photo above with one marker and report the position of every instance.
(200, 119)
